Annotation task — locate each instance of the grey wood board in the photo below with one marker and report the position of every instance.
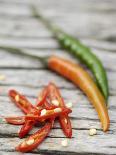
(93, 22)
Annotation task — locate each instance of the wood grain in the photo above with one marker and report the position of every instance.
(93, 22)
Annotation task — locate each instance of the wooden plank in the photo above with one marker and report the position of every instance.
(90, 21)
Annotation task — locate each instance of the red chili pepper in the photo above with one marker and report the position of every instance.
(21, 101)
(34, 140)
(19, 120)
(42, 97)
(29, 124)
(26, 128)
(26, 107)
(49, 114)
(54, 94)
(64, 119)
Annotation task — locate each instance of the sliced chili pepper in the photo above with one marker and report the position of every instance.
(34, 140)
(29, 124)
(19, 120)
(42, 97)
(21, 101)
(64, 119)
(49, 114)
(26, 107)
(26, 128)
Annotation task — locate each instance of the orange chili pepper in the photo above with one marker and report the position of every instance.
(82, 79)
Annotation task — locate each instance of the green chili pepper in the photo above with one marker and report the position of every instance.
(79, 50)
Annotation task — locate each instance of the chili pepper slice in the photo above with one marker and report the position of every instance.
(49, 114)
(34, 140)
(26, 107)
(19, 120)
(21, 101)
(29, 123)
(41, 99)
(26, 128)
(64, 119)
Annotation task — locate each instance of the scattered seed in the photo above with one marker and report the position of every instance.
(69, 105)
(43, 112)
(64, 142)
(2, 77)
(17, 98)
(57, 110)
(92, 132)
(55, 102)
(30, 141)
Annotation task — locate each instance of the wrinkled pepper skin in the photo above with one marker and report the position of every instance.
(76, 48)
(82, 79)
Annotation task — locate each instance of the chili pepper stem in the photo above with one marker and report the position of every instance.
(19, 51)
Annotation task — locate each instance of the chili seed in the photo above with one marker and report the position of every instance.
(2, 77)
(17, 98)
(43, 112)
(64, 143)
(69, 105)
(30, 141)
(57, 110)
(55, 102)
(65, 120)
(92, 132)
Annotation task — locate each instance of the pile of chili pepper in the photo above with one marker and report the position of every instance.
(49, 105)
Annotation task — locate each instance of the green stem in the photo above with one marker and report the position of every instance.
(18, 51)
(48, 24)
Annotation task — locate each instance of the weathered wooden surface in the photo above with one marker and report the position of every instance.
(94, 22)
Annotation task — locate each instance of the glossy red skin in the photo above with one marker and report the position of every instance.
(26, 128)
(16, 120)
(66, 126)
(26, 107)
(39, 136)
(23, 103)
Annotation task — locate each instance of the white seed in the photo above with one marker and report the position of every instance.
(57, 110)
(65, 120)
(64, 143)
(2, 77)
(17, 98)
(92, 132)
(30, 141)
(69, 105)
(43, 112)
(55, 102)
